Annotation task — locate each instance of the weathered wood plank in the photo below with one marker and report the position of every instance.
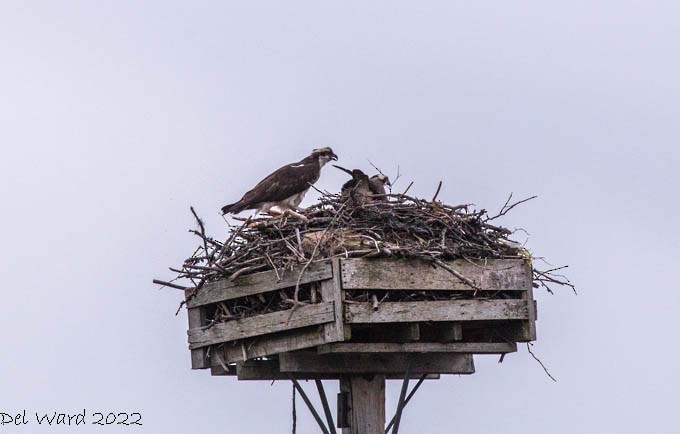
(529, 327)
(408, 274)
(262, 324)
(331, 290)
(257, 283)
(367, 404)
(411, 332)
(377, 363)
(269, 370)
(269, 345)
(419, 347)
(440, 331)
(449, 310)
(196, 318)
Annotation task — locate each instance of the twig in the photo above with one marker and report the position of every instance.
(464, 279)
(506, 208)
(439, 187)
(170, 285)
(403, 195)
(200, 225)
(539, 362)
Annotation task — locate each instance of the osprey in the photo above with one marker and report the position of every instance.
(358, 189)
(377, 185)
(286, 187)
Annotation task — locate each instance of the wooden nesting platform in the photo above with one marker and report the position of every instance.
(409, 313)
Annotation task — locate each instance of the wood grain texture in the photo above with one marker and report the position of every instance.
(199, 359)
(269, 345)
(530, 326)
(262, 324)
(269, 370)
(257, 283)
(449, 310)
(442, 331)
(408, 274)
(367, 404)
(331, 290)
(377, 363)
(420, 347)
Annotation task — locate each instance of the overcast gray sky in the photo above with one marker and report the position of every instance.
(116, 116)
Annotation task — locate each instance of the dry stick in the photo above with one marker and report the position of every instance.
(403, 195)
(233, 237)
(245, 270)
(507, 208)
(465, 280)
(170, 285)
(318, 191)
(376, 168)
(396, 179)
(299, 240)
(546, 276)
(179, 308)
(200, 225)
(539, 362)
(439, 187)
(269, 259)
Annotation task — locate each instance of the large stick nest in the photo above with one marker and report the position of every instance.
(397, 226)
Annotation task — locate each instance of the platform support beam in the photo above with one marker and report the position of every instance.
(366, 403)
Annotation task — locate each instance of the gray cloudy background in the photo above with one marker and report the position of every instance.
(116, 116)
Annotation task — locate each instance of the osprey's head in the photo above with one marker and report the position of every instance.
(324, 155)
(383, 179)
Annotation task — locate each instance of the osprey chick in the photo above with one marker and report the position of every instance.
(286, 187)
(377, 185)
(357, 189)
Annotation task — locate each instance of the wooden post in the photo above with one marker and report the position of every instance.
(366, 403)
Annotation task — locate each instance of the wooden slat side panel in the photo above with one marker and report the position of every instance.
(273, 344)
(361, 363)
(408, 274)
(420, 347)
(331, 290)
(529, 328)
(257, 283)
(196, 318)
(319, 313)
(450, 310)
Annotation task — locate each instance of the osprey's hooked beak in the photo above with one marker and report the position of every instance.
(334, 157)
(387, 182)
(344, 170)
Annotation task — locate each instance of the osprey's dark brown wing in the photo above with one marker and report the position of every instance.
(282, 184)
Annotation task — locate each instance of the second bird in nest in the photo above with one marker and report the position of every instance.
(362, 190)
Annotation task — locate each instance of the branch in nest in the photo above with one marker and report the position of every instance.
(506, 208)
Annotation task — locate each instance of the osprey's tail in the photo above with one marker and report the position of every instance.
(234, 208)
